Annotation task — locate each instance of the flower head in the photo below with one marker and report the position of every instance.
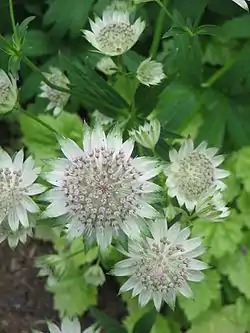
(193, 172)
(114, 34)
(150, 72)
(101, 189)
(148, 134)
(57, 99)
(107, 66)
(17, 179)
(211, 206)
(8, 92)
(161, 266)
(242, 3)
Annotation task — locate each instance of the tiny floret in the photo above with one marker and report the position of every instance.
(107, 66)
(150, 72)
(193, 172)
(57, 99)
(17, 185)
(114, 34)
(8, 92)
(101, 189)
(160, 266)
(148, 134)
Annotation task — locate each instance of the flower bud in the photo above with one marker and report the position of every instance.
(94, 275)
(107, 66)
(147, 135)
(150, 72)
(8, 92)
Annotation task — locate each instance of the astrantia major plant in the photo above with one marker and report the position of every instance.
(123, 188)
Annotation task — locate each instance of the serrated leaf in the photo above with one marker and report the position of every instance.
(237, 268)
(221, 237)
(67, 15)
(38, 43)
(77, 246)
(110, 325)
(146, 322)
(205, 292)
(164, 324)
(238, 27)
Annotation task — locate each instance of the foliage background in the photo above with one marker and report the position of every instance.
(206, 95)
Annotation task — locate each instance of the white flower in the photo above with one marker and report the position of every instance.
(92, 329)
(101, 118)
(114, 34)
(17, 179)
(14, 237)
(148, 134)
(161, 266)
(67, 326)
(101, 189)
(150, 72)
(57, 99)
(211, 206)
(192, 172)
(242, 4)
(8, 92)
(107, 66)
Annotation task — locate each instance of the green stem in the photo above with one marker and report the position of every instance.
(158, 31)
(30, 115)
(12, 17)
(217, 75)
(165, 10)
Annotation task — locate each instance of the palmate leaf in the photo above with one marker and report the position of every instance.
(205, 292)
(93, 89)
(109, 324)
(67, 15)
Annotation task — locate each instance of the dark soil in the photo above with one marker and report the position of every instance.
(24, 302)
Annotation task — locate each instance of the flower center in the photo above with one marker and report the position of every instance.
(196, 174)
(10, 192)
(116, 38)
(164, 268)
(4, 91)
(100, 189)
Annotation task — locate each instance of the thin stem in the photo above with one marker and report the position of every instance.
(158, 31)
(41, 122)
(12, 17)
(217, 75)
(164, 8)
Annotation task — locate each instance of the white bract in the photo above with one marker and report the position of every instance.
(107, 66)
(114, 34)
(211, 206)
(17, 184)
(150, 72)
(242, 3)
(161, 266)
(57, 99)
(14, 237)
(8, 92)
(192, 172)
(101, 189)
(67, 326)
(148, 134)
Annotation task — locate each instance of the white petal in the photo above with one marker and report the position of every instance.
(128, 147)
(98, 138)
(29, 204)
(104, 239)
(183, 235)
(5, 160)
(195, 276)
(185, 290)
(220, 173)
(18, 160)
(170, 299)
(71, 326)
(192, 243)
(55, 209)
(114, 139)
(147, 210)
(35, 189)
(159, 229)
(174, 156)
(144, 297)
(22, 215)
(53, 328)
(157, 298)
(197, 265)
(13, 220)
(70, 149)
(173, 232)
(86, 138)
(128, 285)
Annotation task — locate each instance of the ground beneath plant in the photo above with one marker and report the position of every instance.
(24, 302)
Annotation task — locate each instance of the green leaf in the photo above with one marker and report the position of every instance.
(238, 27)
(82, 258)
(73, 296)
(237, 268)
(38, 43)
(41, 142)
(220, 320)
(67, 15)
(177, 104)
(221, 237)
(205, 292)
(146, 322)
(110, 325)
(242, 165)
(165, 324)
